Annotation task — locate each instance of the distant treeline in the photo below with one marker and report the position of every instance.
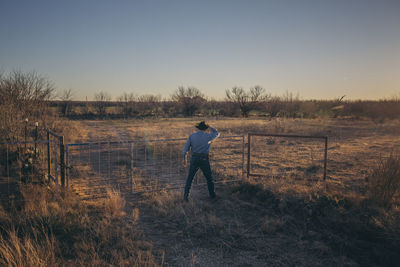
(186, 102)
(28, 99)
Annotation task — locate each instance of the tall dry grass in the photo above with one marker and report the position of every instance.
(39, 250)
(53, 228)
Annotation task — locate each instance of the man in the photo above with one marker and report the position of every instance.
(200, 143)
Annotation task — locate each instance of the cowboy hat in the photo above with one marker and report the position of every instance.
(202, 126)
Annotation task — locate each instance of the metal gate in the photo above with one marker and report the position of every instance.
(145, 165)
(289, 156)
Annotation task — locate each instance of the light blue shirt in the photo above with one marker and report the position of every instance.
(200, 142)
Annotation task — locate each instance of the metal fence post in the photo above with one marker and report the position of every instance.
(48, 156)
(145, 159)
(8, 172)
(325, 156)
(67, 165)
(243, 144)
(131, 180)
(99, 162)
(109, 159)
(62, 161)
(56, 167)
(248, 155)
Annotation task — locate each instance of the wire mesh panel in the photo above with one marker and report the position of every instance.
(20, 162)
(146, 165)
(285, 156)
(53, 158)
(227, 158)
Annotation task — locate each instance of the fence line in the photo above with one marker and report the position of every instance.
(134, 166)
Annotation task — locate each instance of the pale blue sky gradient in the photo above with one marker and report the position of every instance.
(317, 48)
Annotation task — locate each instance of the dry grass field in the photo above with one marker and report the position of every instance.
(354, 146)
(290, 217)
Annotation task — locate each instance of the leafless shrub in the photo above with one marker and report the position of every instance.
(188, 100)
(24, 97)
(246, 101)
(377, 111)
(149, 105)
(212, 107)
(290, 105)
(101, 101)
(66, 99)
(128, 104)
(384, 181)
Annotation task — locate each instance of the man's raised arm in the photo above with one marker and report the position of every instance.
(214, 133)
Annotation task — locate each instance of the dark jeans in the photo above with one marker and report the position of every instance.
(203, 163)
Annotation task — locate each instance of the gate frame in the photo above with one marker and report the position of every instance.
(67, 167)
(249, 135)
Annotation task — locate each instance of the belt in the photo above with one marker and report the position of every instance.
(200, 154)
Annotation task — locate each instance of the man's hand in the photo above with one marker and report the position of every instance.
(184, 163)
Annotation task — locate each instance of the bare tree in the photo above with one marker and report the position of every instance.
(23, 96)
(149, 105)
(258, 94)
(246, 101)
(291, 104)
(212, 107)
(188, 100)
(66, 99)
(273, 106)
(238, 96)
(101, 101)
(127, 102)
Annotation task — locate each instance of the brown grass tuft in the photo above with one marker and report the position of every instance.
(384, 181)
(114, 204)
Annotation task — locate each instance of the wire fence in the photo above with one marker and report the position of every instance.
(21, 162)
(145, 165)
(287, 156)
(134, 166)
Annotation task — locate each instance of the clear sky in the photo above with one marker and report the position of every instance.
(316, 48)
